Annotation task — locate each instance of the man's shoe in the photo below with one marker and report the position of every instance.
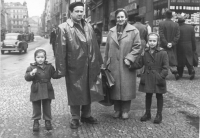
(48, 125)
(116, 114)
(158, 118)
(36, 125)
(125, 115)
(90, 120)
(177, 77)
(145, 117)
(192, 76)
(74, 124)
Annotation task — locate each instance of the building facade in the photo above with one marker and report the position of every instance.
(18, 17)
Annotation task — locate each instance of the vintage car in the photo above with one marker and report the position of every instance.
(14, 42)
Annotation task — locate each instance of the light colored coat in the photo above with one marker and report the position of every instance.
(129, 47)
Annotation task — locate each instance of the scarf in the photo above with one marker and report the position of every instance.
(120, 29)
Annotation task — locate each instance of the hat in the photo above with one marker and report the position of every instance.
(74, 4)
(37, 50)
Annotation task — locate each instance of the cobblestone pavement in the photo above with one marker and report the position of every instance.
(180, 114)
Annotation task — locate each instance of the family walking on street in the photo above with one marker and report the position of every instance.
(129, 48)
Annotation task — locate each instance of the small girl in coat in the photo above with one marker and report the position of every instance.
(40, 73)
(155, 62)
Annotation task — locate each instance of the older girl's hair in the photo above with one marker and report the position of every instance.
(155, 34)
(121, 10)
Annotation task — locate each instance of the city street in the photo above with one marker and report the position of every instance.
(180, 113)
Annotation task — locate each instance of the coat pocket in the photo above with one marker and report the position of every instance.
(34, 87)
(160, 81)
(49, 86)
(142, 79)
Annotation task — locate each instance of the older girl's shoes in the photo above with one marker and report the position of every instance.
(145, 117)
(158, 118)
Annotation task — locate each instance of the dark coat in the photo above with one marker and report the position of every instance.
(53, 38)
(41, 87)
(169, 33)
(186, 45)
(78, 58)
(156, 69)
(143, 33)
(129, 46)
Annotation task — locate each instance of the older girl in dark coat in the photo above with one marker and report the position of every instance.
(40, 73)
(155, 62)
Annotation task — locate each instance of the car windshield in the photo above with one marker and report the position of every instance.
(11, 37)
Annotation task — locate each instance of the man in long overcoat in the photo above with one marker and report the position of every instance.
(143, 36)
(169, 36)
(185, 48)
(78, 58)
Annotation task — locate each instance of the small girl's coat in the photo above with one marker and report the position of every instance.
(41, 87)
(155, 72)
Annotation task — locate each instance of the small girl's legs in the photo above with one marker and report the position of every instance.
(36, 114)
(148, 101)
(46, 107)
(158, 118)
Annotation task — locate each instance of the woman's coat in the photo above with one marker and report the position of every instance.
(41, 87)
(78, 58)
(186, 45)
(155, 71)
(129, 47)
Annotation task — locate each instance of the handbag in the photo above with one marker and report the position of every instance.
(107, 82)
(195, 59)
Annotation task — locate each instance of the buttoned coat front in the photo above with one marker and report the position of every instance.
(129, 47)
(41, 87)
(155, 71)
(169, 33)
(78, 58)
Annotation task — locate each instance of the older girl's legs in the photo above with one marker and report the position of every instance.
(148, 101)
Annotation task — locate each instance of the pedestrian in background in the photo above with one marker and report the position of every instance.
(155, 62)
(186, 48)
(78, 58)
(143, 36)
(42, 92)
(53, 39)
(122, 48)
(169, 35)
(148, 27)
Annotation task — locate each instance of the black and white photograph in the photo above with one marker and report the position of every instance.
(100, 69)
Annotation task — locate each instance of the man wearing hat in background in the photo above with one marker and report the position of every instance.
(186, 48)
(78, 58)
(53, 39)
(169, 35)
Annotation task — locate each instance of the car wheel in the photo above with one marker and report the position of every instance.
(20, 51)
(2, 52)
(25, 50)
(9, 51)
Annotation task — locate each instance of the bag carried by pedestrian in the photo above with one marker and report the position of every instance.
(108, 82)
(195, 59)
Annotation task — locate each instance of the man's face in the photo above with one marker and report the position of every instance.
(77, 13)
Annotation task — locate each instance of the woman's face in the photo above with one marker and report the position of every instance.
(153, 41)
(121, 18)
(40, 58)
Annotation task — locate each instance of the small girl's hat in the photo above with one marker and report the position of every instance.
(37, 50)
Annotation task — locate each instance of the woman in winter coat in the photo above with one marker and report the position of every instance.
(156, 64)
(122, 47)
(40, 73)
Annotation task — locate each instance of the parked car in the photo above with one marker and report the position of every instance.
(14, 42)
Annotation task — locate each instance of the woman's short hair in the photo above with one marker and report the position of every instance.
(121, 10)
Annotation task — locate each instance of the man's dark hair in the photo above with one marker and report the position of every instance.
(138, 18)
(168, 14)
(74, 4)
(121, 10)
